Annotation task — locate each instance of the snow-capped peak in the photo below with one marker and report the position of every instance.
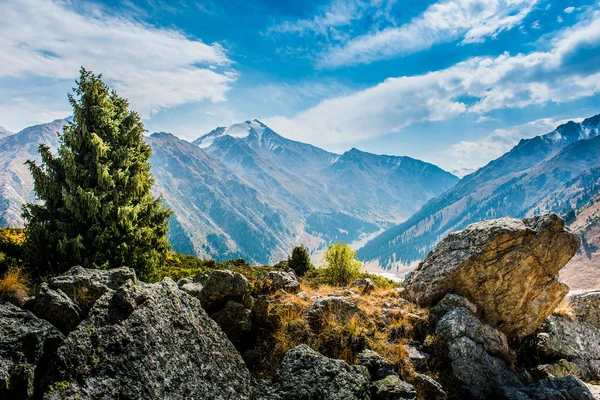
(239, 130)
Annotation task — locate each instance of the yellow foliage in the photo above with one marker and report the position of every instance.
(14, 286)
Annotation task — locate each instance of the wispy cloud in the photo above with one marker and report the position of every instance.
(155, 68)
(469, 21)
(569, 70)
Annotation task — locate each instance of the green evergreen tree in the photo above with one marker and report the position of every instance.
(299, 261)
(97, 209)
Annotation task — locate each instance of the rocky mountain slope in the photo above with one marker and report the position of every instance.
(4, 132)
(442, 335)
(555, 172)
(232, 191)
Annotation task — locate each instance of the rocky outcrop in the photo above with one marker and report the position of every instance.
(222, 286)
(150, 341)
(567, 388)
(235, 320)
(274, 281)
(377, 366)
(392, 388)
(55, 306)
(27, 343)
(191, 287)
(506, 267)
(585, 305)
(306, 374)
(330, 307)
(364, 285)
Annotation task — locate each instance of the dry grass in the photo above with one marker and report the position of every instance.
(389, 323)
(14, 287)
(564, 309)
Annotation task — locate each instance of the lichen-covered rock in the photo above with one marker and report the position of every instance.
(84, 286)
(377, 366)
(585, 305)
(222, 286)
(57, 308)
(191, 287)
(562, 337)
(587, 370)
(365, 285)
(148, 341)
(392, 388)
(418, 358)
(329, 307)
(506, 267)
(280, 280)
(450, 302)
(477, 353)
(26, 345)
(235, 320)
(306, 374)
(429, 388)
(567, 388)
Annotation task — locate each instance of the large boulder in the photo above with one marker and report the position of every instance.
(506, 267)
(222, 286)
(235, 320)
(329, 307)
(55, 306)
(307, 374)
(148, 341)
(377, 366)
(26, 346)
(567, 388)
(479, 356)
(585, 305)
(392, 388)
(286, 281)
(84, 286)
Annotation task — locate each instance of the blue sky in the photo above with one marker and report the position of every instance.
(453, 82)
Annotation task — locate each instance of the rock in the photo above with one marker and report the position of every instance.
(418, 359)
(306, 374)
(191, 287)
(450, 302)
(561, 337)
(280, 280)
(586, 370)
(567, 388)
(222, 286)
(365, 285)
(27, 343)
(57, 308)
(506, 267)
(586, 306)
(85, 286)
(332, 306)
(477, 353)
(392, 388)
(235, 320)
(148, 341)
(428, 388)
(377, 366)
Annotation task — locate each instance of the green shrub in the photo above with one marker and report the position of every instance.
(342, 266)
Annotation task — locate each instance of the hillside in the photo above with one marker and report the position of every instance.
(554, 172)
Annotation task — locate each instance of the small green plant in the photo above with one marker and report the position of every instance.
(299, 261)
(342, 266)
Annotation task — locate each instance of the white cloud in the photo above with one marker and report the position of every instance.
(155, 68)
(474, 154)
(21, 112)
(471, 21)
(558, 75)
(569, 10)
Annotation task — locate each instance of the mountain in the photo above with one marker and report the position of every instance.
(4, 132)
(245, 191)
(583, 271)
(557, 172)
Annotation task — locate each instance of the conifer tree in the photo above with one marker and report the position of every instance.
(299, 261)
(97, 209)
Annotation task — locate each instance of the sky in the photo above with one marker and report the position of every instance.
(452, 82)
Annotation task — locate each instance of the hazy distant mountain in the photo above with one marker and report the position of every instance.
(554, 172)
(4, 132)
(245, 191)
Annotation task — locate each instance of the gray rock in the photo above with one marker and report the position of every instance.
(587, 370)
(235, 320)
(148, 341)
(476, 352)
(428, 388)
(365, 285)
(57, 308)
(561, 337)
(191, 287)
(567, 388)
(450, 302)
(392, 388)
(586, 306)
(306, 374)
(330, 307)
(27, 344)
(222, 286)
(507, 267)
(85, 286)
(377, 366)
(418, 358)
(279, 280)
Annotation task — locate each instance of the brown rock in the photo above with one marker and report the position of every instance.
(507, 267)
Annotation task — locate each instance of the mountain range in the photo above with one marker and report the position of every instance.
(245, 191)
(557, 172)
